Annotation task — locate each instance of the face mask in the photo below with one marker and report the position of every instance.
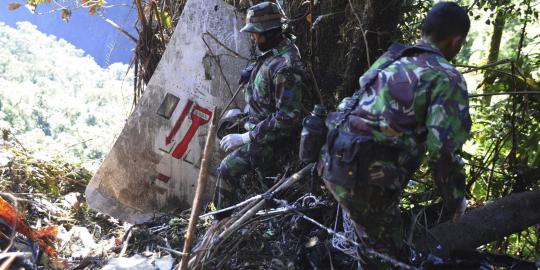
(271, 42)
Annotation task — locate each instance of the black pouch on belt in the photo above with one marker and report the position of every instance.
(342, 162)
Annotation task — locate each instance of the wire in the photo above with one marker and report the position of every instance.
(363, 249)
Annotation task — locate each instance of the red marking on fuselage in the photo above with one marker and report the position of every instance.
(199, 117)
(163, 178)
(179, 122)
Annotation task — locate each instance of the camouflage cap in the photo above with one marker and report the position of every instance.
(263, 17)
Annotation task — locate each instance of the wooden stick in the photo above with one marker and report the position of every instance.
(236, 221)
(125, 245)
(7, 263)
(240, 87)
(251, 212)
(251, 204)
(172, 251)
(201, 184)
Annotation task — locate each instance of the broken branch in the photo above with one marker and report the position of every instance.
(201, 185)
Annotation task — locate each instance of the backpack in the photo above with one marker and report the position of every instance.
(340, 162)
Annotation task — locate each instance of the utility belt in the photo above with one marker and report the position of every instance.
(346, 158)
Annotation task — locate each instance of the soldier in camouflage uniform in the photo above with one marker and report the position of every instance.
(417, 103)
(274, 98)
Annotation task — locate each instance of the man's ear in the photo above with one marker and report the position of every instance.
(457, 42)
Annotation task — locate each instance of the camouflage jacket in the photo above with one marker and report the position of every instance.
(274, 94)
(418, 103)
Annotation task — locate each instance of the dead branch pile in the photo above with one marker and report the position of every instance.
(264, 235)
(293, 224)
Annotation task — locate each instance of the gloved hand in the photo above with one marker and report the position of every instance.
(460, 210)
(245, 74)
(249, 126)
(233, 141)
(346, 103)
(232, 113)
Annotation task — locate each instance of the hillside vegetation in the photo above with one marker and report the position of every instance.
(56, 100)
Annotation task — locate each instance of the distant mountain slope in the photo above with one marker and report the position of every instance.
(56, 99)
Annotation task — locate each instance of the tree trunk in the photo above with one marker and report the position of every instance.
(494, 48)
(483, 225)
(378, 20)
(340, 46)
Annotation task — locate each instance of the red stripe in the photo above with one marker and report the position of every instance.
(196, 122)
(163, 178)
(179, 122)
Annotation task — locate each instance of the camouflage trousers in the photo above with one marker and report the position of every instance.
(249, 157)
(372, 204)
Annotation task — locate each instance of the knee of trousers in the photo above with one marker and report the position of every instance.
(224, 171)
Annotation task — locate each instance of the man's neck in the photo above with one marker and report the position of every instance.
(427, 39)
(438, 45)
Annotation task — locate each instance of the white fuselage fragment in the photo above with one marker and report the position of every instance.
(154, 163)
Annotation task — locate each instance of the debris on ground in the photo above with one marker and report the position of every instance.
(49, 194)
(42, 203)
(285, 222)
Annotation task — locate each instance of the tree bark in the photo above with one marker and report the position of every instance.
(339, 53)
(375, 23)
(493, 56)
(483, 225)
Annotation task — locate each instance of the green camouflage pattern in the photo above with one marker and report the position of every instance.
(235, 165)
(377, 215)
(263, 17)
(274, 96)
(417, 104)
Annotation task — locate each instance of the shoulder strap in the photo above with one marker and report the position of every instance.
(395, 51)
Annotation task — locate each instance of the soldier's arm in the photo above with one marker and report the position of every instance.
(288, 99)
(448, 124)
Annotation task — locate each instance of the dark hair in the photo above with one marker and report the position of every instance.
(446, 19)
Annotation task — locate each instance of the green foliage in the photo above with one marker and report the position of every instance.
(413, 14)
(25, 173)
(58, 101)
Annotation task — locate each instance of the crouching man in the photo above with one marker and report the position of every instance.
(411, 100)
(273, 95)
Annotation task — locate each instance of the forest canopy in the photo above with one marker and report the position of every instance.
(56, 100)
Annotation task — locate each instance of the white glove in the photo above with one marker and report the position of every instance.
(346, 102)
(233, 141)
(249, 126)
(460, 210)
(232, 113)
(247, 109)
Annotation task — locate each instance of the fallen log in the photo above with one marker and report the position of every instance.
(483, 225)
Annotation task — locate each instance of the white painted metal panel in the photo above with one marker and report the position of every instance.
(154, 163)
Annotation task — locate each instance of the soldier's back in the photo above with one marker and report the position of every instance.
(393, 109)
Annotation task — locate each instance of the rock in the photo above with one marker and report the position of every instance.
(5, 158)
(165, 263)
(78, 242)
(71, 200)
